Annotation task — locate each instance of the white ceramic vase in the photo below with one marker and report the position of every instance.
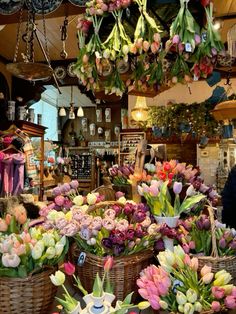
(98, 305)
(170, 222)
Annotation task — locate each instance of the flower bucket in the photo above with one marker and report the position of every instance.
(31, 295)
(123, 274)
(170, 222)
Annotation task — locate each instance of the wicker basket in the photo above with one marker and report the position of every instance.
(125, 271)
(215, 261)
(32, 295)
(123, 274)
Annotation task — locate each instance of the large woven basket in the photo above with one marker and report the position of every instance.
(123, 274)
(215, 261)
(125, 271)
(31, 295)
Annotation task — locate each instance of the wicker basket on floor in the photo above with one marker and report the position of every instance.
(125, 271)
(123, 275)
(215, 261)
(31, 295)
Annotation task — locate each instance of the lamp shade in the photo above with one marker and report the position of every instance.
(225, 110)
(140, 111)
(62, 112)
(71, 115)
(80, 112)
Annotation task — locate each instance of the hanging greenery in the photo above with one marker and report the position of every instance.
(177, 119)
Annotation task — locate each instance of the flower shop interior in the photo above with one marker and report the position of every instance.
(117, 156)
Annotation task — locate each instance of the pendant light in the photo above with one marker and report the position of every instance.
(62, 112)
(28, 69)
(71, 112)
(80, 112)
(140, 111)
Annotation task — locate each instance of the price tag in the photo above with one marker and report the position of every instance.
(195, 77)
(204, 37)
(81, 259)
(188, 47)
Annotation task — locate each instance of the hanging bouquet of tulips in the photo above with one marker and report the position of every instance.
(147, 43)
(179, 285)
(184, 31)
(147, 32)
(102, 291)
(211, 45)
(88, 61)
(115, 230)
(32, 250)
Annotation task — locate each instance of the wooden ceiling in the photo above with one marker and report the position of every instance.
(224, 9)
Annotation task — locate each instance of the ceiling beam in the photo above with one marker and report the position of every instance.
(65, 9)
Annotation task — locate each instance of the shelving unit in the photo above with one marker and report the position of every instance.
(83, 167)
(127, 146)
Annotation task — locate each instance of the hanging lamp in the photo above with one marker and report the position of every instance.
(62, 112)
(140, 111)
(80, 112)
(71, 112)
(225, 110)
(28, 69)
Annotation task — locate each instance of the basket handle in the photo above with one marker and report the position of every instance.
(214, 252)
(103, 204)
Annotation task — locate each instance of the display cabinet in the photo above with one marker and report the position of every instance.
(128, 142)
(32, 130)
(83, 167)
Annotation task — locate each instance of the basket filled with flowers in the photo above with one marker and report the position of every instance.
(181, 285)
(122, 229)
(27, 259)
(212, 242)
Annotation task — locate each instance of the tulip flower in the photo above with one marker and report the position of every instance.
(215, 306)
(222, 279)
(78, 200)
(228, 289)
(10, 260)
(230, 302)
(218, 292)
(143, 305)
(178, 251)
(177, 187)
(208, 278)
(188, 308)
(194, 263)
(205, 270)
(191, 295)
(181, 308)
(91, 198)
(58, 279)
(181, 298)
(108, 263)
(3, 225)
(197, 307)
(69, 268)
(50, 252)
(36, 252)
(163, 305)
